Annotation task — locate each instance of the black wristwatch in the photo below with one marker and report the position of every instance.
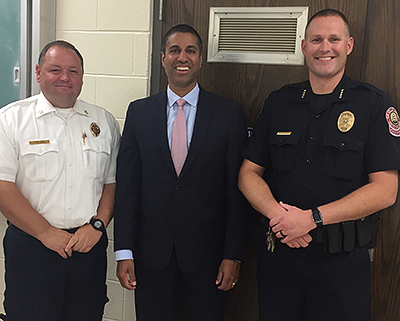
(98, 225)
(317, 217)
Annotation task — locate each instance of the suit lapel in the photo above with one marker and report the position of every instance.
(160, 127)
(203, 114)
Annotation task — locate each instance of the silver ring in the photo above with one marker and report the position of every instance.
(283, 235)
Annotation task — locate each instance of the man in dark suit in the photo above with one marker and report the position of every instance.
(180, 221)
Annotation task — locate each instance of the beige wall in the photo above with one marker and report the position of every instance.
(114, 37)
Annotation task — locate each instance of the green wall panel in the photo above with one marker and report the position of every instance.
(10, 52)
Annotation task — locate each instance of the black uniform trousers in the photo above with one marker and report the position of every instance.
(156, 293)
(307, 284)
(42, 286)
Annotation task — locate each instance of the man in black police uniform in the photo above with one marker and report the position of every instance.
(328, 149)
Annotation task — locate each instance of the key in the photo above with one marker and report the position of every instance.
(270, 240)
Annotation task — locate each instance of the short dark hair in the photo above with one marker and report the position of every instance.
(329, 12)
(184, 29)
(58, 43)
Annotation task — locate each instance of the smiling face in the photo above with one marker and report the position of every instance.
(326, 47)
(182, 62)
(60, 76)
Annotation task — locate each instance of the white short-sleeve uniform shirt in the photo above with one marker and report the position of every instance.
(59, 164)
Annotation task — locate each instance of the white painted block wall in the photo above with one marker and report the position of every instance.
(114, 37)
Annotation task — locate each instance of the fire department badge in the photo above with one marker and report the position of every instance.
(95, 129)
(392, 117)
(345, 121)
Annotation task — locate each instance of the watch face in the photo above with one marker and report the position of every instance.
(97, 224)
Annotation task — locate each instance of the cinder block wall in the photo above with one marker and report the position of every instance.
(114, 37)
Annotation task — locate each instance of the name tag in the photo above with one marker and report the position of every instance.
(39, 142)
(284, 133)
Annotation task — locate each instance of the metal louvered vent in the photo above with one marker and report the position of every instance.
(257, 35)
(263, 35)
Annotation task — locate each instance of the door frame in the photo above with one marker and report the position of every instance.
(156, 46)
(43, 21)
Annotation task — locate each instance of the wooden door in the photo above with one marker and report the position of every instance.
(375, 59)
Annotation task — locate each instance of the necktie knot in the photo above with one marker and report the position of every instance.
(181, 102)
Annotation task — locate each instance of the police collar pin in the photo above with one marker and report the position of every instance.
(341, 93)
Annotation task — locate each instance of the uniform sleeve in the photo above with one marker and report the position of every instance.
(257, 150)
(110, 174)
(8, 151)
(383, 146)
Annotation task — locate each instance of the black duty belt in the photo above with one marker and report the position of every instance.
(344, 236)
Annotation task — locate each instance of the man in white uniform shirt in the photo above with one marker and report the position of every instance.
(57, 182)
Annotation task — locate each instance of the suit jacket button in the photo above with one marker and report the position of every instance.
(177, 187)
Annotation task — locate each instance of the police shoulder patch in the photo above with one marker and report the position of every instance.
(392, 118)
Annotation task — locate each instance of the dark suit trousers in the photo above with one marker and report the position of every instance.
(41, 285)
(157, 290)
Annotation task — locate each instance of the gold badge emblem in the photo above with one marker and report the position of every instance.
(95, 129)
(345, 121)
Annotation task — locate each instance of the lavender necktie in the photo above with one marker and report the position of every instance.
(179, 138)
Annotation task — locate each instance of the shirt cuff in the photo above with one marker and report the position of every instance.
(123, 255)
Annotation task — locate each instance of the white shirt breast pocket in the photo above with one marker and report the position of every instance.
(96, 153)
(39, 159)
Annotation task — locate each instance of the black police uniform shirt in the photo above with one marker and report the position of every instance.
(316, 151)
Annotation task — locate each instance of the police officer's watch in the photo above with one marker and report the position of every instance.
(98, 225)
(317, 217)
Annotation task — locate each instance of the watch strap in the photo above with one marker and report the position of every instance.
(98, 225)
(317, 217)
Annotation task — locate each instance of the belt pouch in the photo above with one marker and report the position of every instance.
(334, 238)
(349, 236)
(364, 231)
(317, 235)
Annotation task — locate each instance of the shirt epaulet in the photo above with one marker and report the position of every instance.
(357, 84)
(374, 89)
(295, 85)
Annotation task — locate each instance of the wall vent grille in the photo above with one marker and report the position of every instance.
(257, 35)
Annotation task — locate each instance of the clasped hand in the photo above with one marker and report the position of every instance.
(65, 243)
(292, 227)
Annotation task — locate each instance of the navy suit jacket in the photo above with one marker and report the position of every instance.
(201, 212)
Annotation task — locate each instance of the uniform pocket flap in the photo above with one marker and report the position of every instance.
(38, 147)
(343, 143)
(284, 138)
(97, 145)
